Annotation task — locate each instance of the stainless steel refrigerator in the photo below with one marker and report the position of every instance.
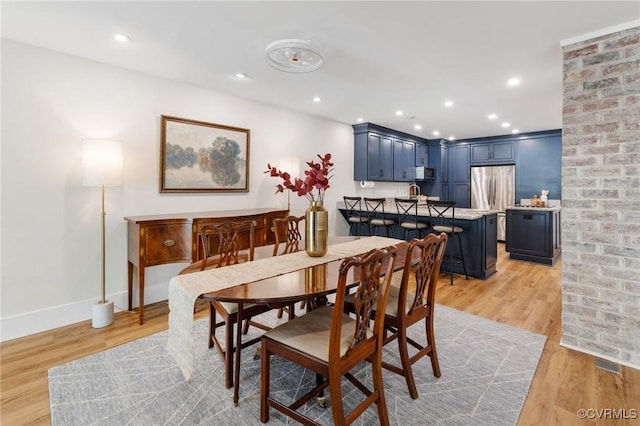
(494, 188)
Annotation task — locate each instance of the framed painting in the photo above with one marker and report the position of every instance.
(203, 157)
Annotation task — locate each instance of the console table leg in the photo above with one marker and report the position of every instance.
(130, 282)
(141, 295)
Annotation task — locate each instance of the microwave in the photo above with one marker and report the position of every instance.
(425, 173)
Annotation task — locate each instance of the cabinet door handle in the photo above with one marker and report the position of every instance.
(169, 243)
(527, 216)
(381, 172)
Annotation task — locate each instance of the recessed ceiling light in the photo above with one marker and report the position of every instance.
(448, 104)
(505, 124)
(121, 37)
(399, 113)
(436, 133)
(317, 99)
(492, 116)
(359, 120)
(515, 131)
(513, 82)
(452, 138)
(418, 127)
(241, 75)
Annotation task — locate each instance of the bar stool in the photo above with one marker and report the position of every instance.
(408, 217)
(375, 207)
(438, 210)
(355, 215)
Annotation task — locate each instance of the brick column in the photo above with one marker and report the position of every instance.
(601, 197)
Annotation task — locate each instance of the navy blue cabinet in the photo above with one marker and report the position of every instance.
(403, 160)
(460, 175)
(382, 154)
(536, 155)
(493, 153)
(539, 165)
(422, 155)
(533, 235)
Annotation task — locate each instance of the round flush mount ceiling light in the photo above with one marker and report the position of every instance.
(293, 55)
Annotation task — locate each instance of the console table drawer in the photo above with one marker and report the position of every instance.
(167, 243)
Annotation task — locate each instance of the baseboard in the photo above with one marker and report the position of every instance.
(33, 322)
(597, 355)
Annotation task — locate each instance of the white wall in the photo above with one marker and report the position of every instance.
(50, 265)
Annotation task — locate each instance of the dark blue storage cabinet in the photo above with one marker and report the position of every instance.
(382, 154)
(539, 165)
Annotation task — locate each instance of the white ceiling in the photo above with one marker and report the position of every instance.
(380, 56)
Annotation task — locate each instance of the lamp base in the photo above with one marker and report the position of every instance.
(102, 314)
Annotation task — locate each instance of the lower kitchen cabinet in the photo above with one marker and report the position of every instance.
(534, 234)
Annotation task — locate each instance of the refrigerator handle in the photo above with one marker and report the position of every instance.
(495, 189)
(491, 192)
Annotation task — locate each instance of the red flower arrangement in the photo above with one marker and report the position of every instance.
(317, 177)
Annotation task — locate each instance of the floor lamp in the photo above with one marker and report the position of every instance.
(102, 166)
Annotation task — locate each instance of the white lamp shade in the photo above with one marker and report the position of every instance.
(290, 165)
(101, 162)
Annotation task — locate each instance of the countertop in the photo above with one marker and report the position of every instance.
(542, 209)
(462, 214)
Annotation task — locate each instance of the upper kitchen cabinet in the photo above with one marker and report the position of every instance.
(403, 160)
(536, 155)
(379, 157)
(422, 155)
(382, 154)
(539, 165)
(493, 153)
(459, 175)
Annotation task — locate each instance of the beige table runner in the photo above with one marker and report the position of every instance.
(185, 289)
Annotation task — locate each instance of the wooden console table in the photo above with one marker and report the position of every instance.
(171, 238)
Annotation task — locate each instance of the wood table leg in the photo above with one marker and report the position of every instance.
(236, 372)
(141, 295)
(130, 283)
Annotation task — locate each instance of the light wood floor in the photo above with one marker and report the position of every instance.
(520, 294)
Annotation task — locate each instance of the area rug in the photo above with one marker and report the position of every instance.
(486, 366)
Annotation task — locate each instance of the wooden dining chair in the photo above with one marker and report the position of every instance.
(330, 343)
(227, 237)
(288, 236)
(412, 299)
(288, 240)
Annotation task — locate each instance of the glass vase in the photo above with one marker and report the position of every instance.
(316, 229)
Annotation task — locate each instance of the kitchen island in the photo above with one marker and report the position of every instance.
(533, 234)
(479, 237)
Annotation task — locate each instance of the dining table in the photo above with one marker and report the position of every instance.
(268, 279)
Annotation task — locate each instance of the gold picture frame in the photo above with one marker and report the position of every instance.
(197, 156)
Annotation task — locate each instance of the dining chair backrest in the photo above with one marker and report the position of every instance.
(418, 285)
(443, 212)
(407, 209)
(288, 236)
(373, 273)
(353, 205)
(227, 236)
(375, 206)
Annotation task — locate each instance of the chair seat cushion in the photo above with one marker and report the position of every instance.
(232, 308)
(356, 219)
(310, 332)
(382, 222)
(413, 225)
(447, 229)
